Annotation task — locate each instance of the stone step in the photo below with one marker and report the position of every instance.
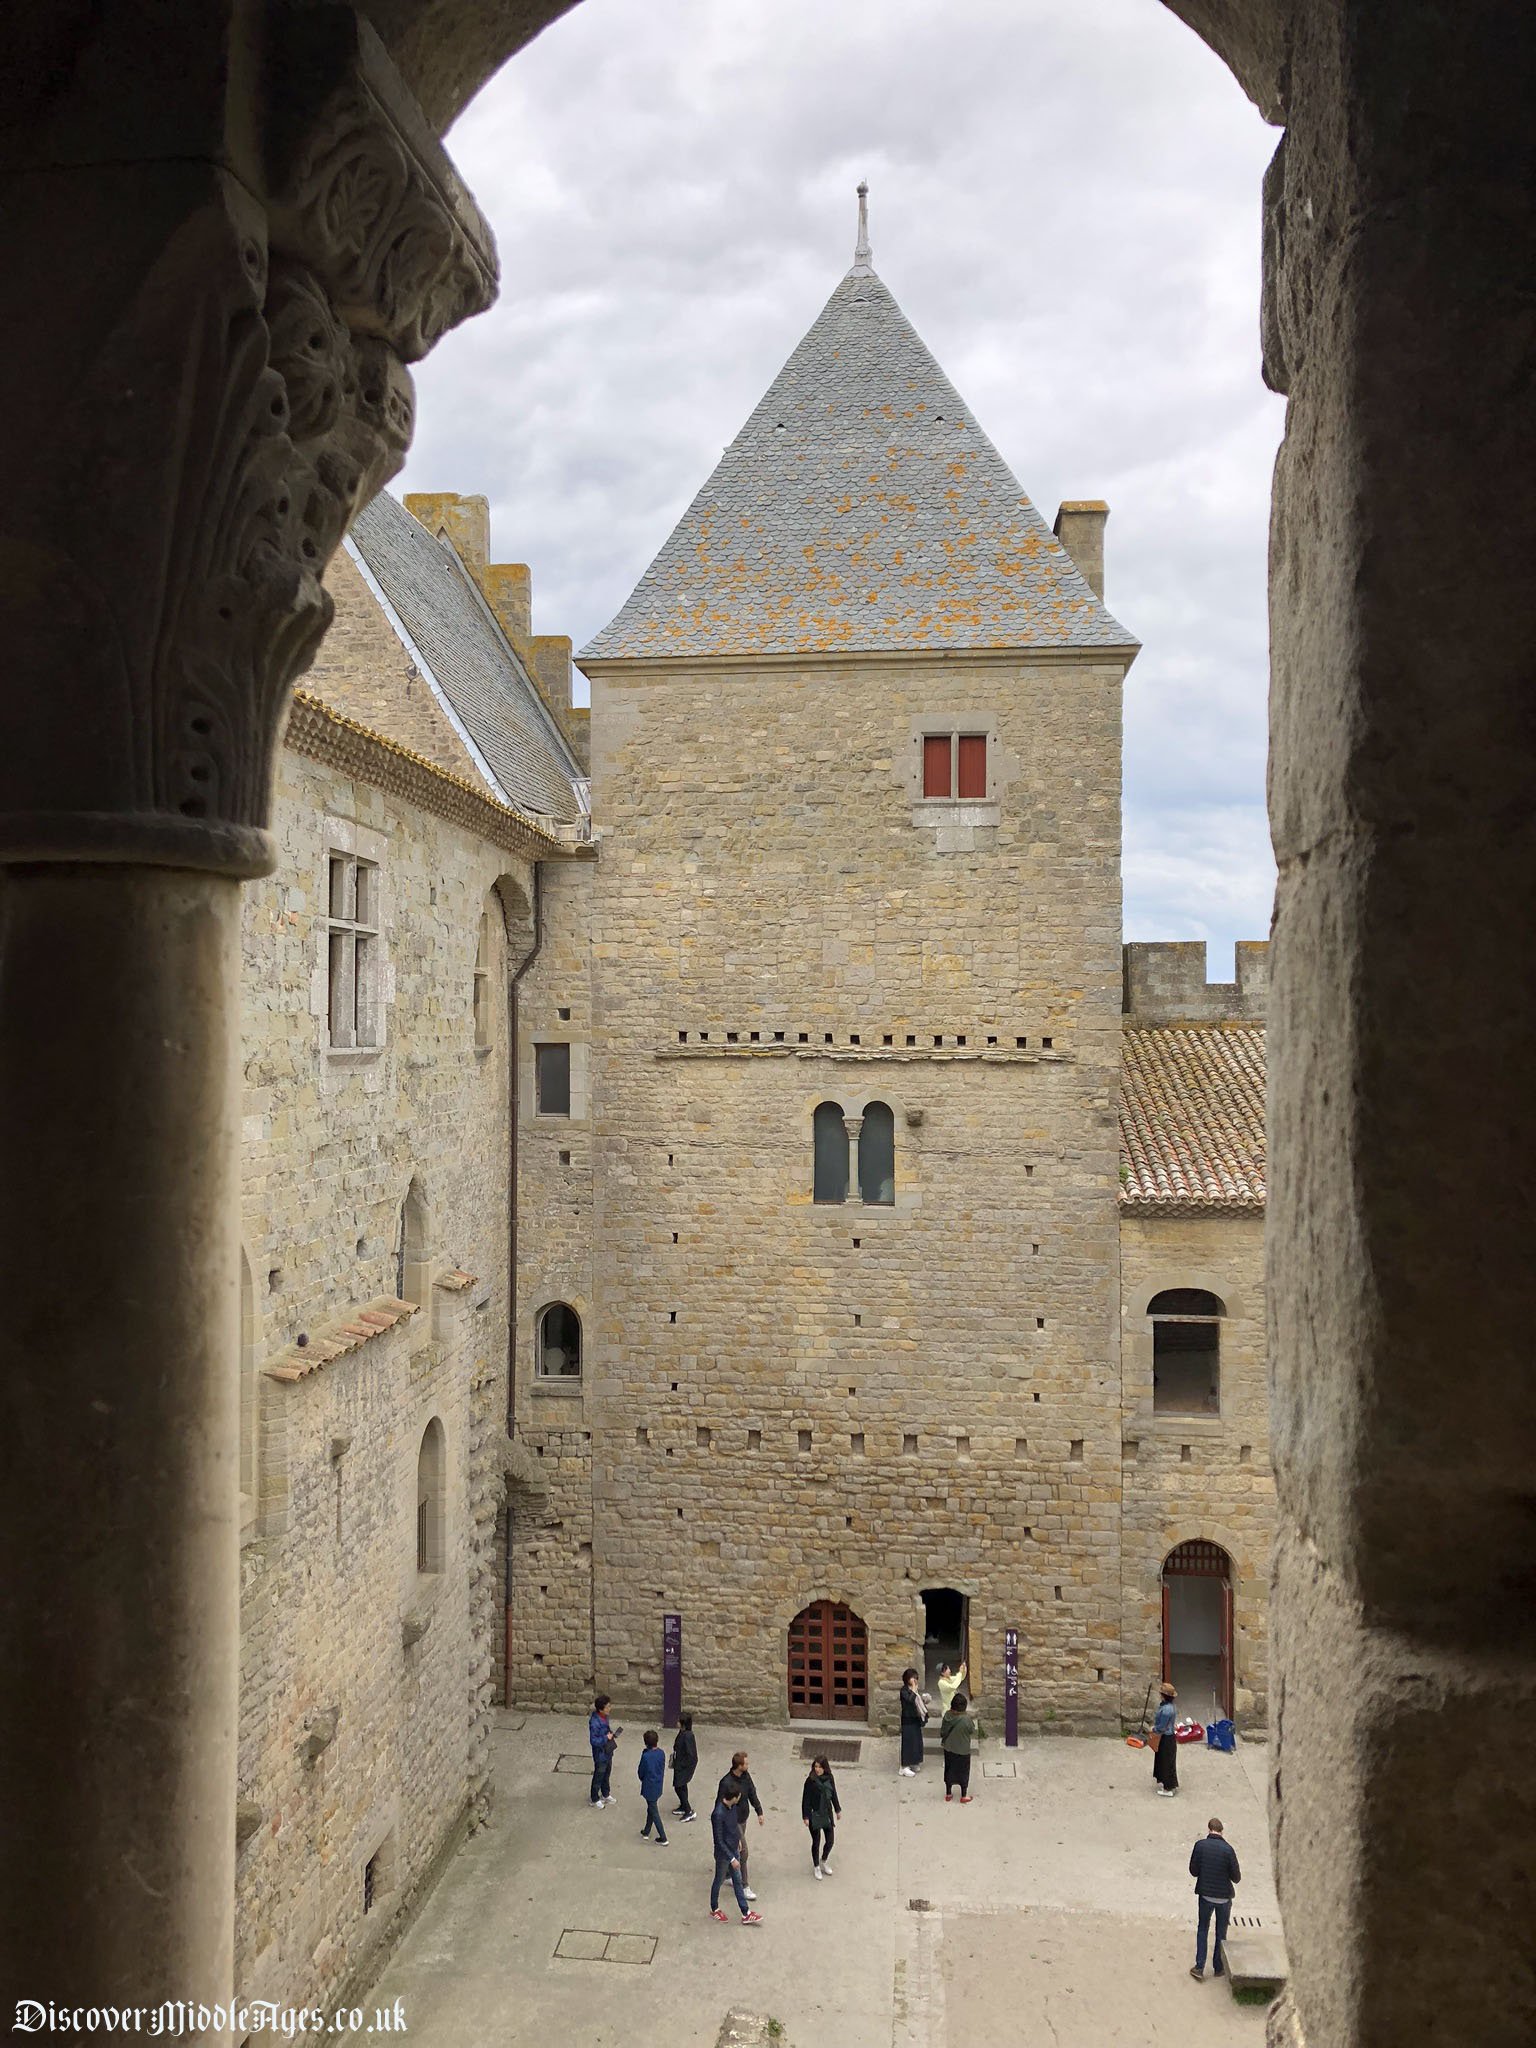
(1255, 1960)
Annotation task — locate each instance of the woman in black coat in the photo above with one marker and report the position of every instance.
(685, 1761)
(819, 1808)
(913, 1715)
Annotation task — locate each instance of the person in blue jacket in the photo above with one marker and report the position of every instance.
(651, 1771)
(603, 1739)
(1165, 1746)
(726, 1823)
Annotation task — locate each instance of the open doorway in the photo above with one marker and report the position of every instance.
(946, 1631)
(1197, 1629)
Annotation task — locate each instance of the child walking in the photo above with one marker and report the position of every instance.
(726, 1823)
(819, 1804)
(685, 1761)
(651, 1771)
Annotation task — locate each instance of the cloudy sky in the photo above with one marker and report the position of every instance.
(1064, 199)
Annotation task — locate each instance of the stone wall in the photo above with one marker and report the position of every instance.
(339, 1629)
(1196, 1477)
(792, 1401)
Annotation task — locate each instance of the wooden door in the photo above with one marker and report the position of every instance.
(828, 1664)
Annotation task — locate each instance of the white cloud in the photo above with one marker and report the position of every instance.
(1066, 202)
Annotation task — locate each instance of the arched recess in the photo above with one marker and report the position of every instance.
(431, 1499)
(828, 1664)
(413, 1247)
(250, 1398)
(488, 944)
(877, 1156)
(829, 1153)
(1186, 1351)
(557, 1342)
(1197, 1586)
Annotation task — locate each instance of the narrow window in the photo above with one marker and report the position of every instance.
(877, 1155)
(973, 764)
(552, 1079)
(830, 1148)
(352, 929)
(250, 1393)
(431, 1462)
(937, 773)
(483, 983)
(1186, 1351)
(559, 1348)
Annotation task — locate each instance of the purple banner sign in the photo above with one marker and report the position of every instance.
(1011, 1688)
(671, 1669)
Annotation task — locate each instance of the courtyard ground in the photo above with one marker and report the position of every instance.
(1056, 1910)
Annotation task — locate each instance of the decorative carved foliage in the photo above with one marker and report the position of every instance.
(232, 420)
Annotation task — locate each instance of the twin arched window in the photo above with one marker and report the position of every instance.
(831, 1133)
(1186, 1351)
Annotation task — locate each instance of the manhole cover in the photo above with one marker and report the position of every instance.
(578, 1766)
(1005, 1768)
(836, 1749)
(597, 1945)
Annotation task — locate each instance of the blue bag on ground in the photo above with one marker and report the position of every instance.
(1221, 1735)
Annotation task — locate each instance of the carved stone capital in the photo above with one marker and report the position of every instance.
(233, 390)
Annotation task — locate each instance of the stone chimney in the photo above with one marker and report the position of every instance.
(547, 658)
(1080, 529)
(508, 588)
(466, 522)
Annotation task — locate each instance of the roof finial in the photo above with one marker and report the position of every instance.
(863, 262)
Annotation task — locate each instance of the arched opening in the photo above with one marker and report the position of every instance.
(829, 1144)
(431, 1517)
(828, 1664)
(1186, 1351)
(1197, 1628)
(877, 1155)
(559, 1343)
(413, 1252)
(946, 1631)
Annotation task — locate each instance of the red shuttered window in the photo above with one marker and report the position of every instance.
(938, 748)
(973, 764)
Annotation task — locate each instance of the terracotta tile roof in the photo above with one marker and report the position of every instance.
(1192, 1119)
(455, 1282)
(861, 508)
(349, 1332)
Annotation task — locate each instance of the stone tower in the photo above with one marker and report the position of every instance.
(855, 1043)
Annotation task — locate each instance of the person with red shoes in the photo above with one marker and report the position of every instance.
(726, 1823)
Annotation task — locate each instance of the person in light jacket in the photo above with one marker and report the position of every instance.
(651, 1771)
(685, 1761)
(960, 1735)
(819, 1805)
(950, 1682)
(1213, 1866)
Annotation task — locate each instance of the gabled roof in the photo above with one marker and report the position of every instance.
(1192, 1119)
(452, 634)
(861, 508)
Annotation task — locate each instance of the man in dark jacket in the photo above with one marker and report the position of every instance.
(738, 1779)
(685, 1761)
(726, 1825)
(1213, 1866)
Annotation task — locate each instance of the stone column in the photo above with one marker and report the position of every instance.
(225, 245)
(1399, 289)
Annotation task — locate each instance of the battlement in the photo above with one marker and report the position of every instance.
(1164, 983)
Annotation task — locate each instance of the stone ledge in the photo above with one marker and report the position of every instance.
(348, 1332)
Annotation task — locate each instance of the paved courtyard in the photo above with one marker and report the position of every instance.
(1056, 1910)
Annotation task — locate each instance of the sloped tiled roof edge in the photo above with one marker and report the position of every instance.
(1192, 1137)
(324, 734)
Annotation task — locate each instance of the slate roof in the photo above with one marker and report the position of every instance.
(861, 508)
(470, 660)
(1192, 1119)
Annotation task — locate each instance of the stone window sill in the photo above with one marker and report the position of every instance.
(1186, 1425)
(484, 1051)
(353, 1055)
(562, 1390)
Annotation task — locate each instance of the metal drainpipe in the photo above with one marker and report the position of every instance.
(513, 1113)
